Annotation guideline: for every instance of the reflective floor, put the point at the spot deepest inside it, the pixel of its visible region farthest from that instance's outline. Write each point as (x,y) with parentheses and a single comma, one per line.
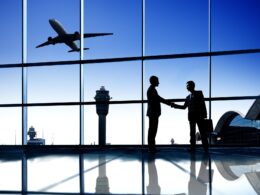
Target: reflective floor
(131,171)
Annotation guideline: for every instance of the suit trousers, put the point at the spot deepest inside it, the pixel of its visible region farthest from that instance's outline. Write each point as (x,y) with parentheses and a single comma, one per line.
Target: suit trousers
(152,131)
(203,133)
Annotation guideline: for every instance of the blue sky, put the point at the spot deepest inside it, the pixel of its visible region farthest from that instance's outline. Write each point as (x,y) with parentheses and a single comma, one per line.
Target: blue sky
(171,27)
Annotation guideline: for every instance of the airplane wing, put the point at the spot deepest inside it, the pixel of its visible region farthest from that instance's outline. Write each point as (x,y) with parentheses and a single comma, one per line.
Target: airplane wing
(76,36)
(88,35)
(73,46)
(44,44)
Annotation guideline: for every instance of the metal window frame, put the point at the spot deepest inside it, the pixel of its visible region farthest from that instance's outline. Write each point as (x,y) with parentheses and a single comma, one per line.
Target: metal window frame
(81,103)
(81,62)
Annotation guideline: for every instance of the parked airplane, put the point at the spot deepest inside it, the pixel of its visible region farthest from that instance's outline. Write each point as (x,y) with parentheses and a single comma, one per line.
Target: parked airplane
(68,39)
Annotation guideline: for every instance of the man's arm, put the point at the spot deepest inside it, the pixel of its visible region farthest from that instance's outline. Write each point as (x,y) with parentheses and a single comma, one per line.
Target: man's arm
(164,101)
(184,106)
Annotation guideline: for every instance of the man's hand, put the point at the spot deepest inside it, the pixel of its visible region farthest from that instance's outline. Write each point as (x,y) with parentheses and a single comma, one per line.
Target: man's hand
(168,103)
(173,104)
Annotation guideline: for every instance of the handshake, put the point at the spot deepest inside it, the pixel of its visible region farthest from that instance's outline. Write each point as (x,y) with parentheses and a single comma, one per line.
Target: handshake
(172,104)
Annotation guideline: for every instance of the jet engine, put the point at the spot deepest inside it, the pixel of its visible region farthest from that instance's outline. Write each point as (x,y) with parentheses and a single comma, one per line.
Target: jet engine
(76,35)
(50,40)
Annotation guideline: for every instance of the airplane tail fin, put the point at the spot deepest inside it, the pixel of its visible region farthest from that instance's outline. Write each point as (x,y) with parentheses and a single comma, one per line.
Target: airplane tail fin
(74,50)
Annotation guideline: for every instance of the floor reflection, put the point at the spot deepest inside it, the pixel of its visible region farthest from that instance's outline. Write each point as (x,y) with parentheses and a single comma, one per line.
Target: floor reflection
(153,186)
(132,171)
(198,184)
(102,185)
(243,167)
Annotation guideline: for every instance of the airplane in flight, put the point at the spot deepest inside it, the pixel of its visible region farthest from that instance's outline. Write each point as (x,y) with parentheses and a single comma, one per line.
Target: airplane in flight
(68,39)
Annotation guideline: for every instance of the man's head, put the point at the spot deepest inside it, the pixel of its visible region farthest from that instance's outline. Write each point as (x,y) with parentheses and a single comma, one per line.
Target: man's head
(154,81)
(190,85)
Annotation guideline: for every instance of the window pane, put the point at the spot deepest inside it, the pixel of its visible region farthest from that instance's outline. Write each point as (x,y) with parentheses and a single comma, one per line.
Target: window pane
(173,75)
(235,24)
(10,85)
(57,125)
(236,75)
(11,31)
(122,80)
(40,29)
(123,19)
(176,26)
(90,125)
(53,84)
(10,126)
(123,125)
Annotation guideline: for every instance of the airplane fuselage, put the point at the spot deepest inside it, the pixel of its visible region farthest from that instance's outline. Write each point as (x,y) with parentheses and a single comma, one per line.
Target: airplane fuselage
(57,27)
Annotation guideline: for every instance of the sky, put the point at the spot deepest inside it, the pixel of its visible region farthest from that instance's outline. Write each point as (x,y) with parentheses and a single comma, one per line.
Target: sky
(170,27)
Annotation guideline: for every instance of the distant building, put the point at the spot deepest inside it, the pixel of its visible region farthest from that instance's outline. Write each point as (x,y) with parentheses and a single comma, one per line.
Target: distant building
(34,141)
(232,128)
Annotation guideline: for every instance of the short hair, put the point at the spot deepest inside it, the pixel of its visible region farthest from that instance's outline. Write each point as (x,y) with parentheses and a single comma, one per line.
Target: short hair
(153,79)
(191,84)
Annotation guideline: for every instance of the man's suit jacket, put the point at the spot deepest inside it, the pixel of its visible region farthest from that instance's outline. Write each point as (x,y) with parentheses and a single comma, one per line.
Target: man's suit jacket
(196,106)
(154,102)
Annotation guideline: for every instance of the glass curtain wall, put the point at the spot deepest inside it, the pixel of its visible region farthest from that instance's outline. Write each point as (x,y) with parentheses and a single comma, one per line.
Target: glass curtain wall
(52,86)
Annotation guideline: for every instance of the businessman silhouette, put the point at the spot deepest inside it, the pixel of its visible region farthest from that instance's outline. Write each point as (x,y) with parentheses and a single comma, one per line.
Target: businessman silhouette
(196,114)
(153,111)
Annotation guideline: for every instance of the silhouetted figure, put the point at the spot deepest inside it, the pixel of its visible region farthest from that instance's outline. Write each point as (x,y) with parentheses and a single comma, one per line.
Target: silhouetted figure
(198,184)
(196,114)
(153,111)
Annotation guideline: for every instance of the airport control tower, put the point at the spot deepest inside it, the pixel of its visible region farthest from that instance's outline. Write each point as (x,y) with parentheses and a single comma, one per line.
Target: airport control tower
(34,141)
(102,98)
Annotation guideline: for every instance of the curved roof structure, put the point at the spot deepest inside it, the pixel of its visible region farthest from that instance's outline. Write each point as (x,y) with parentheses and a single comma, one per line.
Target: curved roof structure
(225,120)
(254,112)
